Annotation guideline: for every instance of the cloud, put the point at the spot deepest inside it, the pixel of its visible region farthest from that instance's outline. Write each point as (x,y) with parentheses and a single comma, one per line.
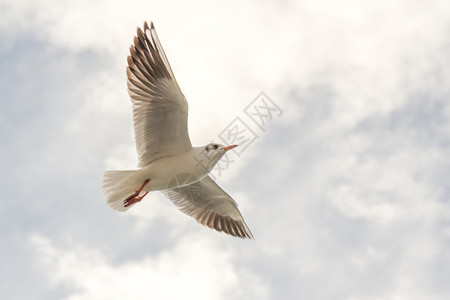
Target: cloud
(192,270)
(346,193)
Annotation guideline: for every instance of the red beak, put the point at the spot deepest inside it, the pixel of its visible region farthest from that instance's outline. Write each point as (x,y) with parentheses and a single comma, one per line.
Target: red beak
(229,147)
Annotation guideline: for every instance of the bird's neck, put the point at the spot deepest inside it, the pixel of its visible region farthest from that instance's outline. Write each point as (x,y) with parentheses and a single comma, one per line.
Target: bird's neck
(204,159)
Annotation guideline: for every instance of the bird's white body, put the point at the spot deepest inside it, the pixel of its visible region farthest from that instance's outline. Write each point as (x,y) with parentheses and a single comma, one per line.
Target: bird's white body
(165,173)
(196,163)
(165,169)
(162,171)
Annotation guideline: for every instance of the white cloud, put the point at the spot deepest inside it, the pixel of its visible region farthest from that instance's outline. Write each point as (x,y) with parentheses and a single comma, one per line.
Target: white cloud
(347,190)
(197,268)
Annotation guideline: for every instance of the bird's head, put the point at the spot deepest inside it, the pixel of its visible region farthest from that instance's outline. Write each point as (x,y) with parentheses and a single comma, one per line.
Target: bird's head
(212,153)
(217,149)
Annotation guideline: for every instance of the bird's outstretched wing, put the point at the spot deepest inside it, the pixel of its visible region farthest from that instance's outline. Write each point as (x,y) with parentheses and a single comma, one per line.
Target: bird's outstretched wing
(211,206)
(160,109)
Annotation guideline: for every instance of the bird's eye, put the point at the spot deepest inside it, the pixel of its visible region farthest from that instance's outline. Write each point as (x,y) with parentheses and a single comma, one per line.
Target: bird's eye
(206,148)
(216,146)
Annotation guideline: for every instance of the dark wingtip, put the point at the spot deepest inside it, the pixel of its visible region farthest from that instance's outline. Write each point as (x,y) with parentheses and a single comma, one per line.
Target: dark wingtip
(248,233)
(136,42)
(129,74)
(133,51)
(129,60)
(138,31)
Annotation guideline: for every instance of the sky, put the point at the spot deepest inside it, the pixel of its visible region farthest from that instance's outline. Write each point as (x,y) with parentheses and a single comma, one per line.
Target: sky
(345,185)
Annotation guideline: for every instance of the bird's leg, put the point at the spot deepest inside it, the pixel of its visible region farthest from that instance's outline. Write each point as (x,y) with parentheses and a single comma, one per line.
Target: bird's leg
(134,198)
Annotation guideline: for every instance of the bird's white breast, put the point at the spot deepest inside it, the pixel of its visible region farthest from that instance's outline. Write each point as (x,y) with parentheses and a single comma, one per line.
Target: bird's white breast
(172,171)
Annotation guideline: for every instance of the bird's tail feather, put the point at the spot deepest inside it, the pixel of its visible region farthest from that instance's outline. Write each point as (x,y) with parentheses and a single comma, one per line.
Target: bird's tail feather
(116,188)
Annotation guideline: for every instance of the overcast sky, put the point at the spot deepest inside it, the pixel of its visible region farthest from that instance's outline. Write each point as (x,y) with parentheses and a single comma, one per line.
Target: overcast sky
(345,188)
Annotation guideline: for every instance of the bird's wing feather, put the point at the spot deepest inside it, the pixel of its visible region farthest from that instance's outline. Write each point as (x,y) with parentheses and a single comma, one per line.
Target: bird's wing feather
(211,206)
(160,109)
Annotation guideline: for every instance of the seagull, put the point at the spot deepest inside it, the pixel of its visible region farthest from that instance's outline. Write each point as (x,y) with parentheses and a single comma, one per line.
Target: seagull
(167,162)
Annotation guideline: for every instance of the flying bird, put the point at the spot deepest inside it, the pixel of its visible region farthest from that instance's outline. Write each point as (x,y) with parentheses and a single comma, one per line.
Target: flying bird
(167,160)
